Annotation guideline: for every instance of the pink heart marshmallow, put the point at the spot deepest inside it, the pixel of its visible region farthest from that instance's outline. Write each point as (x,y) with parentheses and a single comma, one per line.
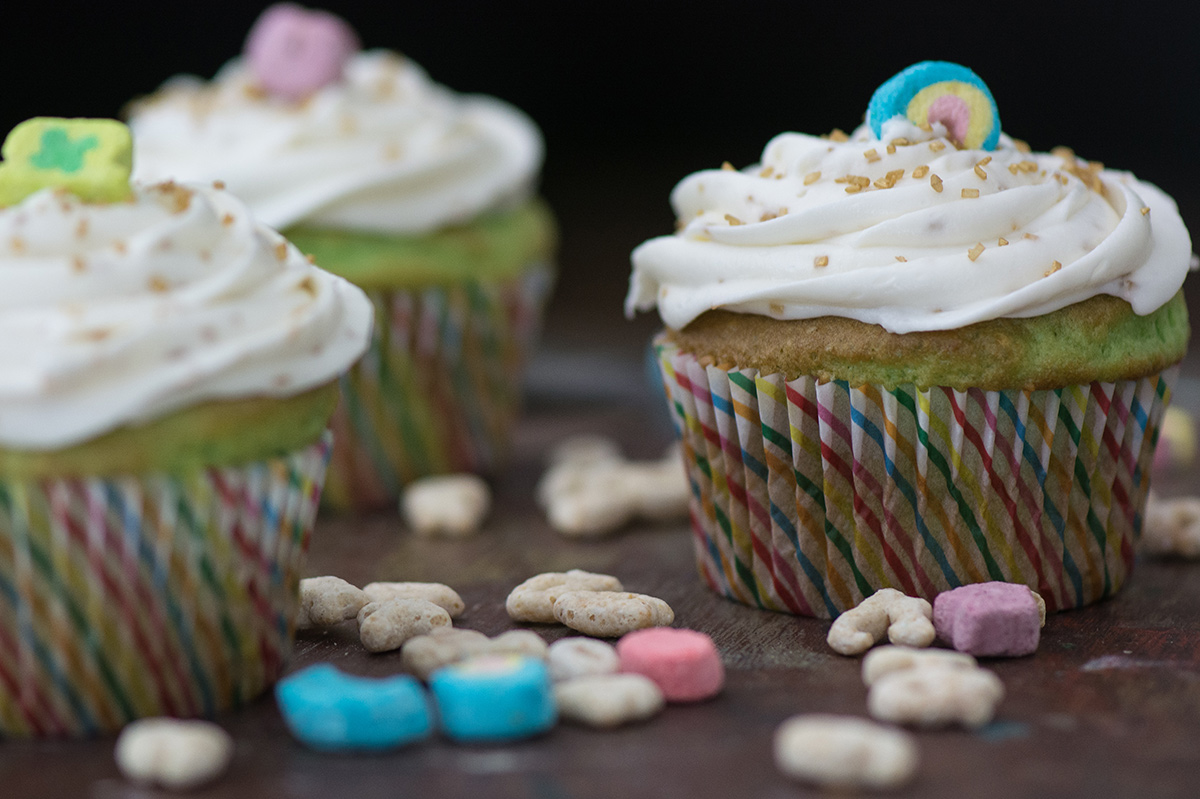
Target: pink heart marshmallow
(293,51)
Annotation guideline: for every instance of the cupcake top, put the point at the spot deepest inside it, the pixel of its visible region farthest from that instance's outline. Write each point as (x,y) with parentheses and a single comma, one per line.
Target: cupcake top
(369,144)
(115,313)
(911,229)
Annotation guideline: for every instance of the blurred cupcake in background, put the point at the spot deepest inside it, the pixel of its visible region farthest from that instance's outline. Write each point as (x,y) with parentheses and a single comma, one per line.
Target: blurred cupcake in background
(423,197)
(168,369)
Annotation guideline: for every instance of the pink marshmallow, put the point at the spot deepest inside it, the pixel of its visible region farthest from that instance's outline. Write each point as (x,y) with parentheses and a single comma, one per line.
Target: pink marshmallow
(684,664)
(292,51)
(989,619)
(953,112)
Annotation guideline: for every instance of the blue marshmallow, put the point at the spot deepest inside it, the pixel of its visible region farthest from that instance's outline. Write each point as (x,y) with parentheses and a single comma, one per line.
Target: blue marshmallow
(494,698)
(328,709)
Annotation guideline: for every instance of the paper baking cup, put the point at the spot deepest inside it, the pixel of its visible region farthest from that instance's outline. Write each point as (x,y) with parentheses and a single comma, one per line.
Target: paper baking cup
(439,389)
(127,597)
(809,496)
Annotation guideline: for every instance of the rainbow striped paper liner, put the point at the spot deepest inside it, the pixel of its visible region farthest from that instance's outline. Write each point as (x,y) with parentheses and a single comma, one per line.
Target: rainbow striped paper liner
(127,597)
(809,496)
(439,389)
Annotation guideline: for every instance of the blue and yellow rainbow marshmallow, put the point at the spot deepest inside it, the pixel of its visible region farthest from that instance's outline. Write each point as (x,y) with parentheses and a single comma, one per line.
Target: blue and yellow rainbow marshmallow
(939,91)
(91,158)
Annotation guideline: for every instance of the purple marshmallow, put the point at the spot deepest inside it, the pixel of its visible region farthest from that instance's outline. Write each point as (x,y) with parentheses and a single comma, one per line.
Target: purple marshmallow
(293,52)
(989,619)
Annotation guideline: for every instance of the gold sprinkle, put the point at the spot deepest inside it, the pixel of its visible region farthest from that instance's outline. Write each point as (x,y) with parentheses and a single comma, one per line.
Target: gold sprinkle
(1021,145)
(871,155)
(733,220)
(901,259)
(1145,210)
(180,198)
(925,126)
(1065,153)
(205,255)
(811,178)
(119,246)
(766,172)
(219,185)
(980,173)
(766,217)
(306,285)
(281,251)
(821,260)
(837,134)
(81,229)
(1013,168)
(1054,267)
(728,167)
(348,125)
(779,176)
(970,194)
(782,211)
(312,259)
(936,182)
(986,160)
(889,180)
(937,146)
(975,251)
(157,284)
(17,244)
(391,152)
(891,149)
(1027,166)
(920,171)
(1001,242)
(96,334)
(78,264)
(855,189)
(227,220)
(1031,237)
(900,141)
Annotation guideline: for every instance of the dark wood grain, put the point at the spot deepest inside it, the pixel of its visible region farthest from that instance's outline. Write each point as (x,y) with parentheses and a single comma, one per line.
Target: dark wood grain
(1109,706)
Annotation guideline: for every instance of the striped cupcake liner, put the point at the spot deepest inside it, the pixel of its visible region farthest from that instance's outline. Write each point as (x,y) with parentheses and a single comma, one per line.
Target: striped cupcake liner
(133,596)
(439,389)
(809,496)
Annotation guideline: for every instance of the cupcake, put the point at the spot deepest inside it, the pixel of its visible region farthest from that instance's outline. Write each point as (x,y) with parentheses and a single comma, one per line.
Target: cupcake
(916,356)
(168,368)
(422,197)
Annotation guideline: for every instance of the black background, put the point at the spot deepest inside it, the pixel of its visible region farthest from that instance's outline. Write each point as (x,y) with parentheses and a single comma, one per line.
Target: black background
(633,96)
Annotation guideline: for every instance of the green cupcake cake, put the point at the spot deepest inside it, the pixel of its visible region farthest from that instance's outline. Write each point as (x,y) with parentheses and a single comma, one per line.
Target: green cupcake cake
(168,369)
(917,356)
(422,197)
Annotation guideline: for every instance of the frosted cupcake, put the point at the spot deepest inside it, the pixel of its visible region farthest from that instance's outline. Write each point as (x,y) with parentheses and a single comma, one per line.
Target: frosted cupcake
(168,368)
(917,356)
(423,197)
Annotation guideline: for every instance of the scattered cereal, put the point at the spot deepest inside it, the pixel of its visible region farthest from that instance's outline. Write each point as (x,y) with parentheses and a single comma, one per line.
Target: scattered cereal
(844,752)
(325,601)
(446,504)
(172,753)
(905,620)
(385,626)
(610,614)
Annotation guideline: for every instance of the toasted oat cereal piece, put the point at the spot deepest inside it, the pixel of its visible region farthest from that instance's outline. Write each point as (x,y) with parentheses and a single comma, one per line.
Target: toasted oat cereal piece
(936,697)
(446,504)
(443,596)
(325,601)
(608,700)
(844,752)
(906,621)
(384,626)
(533,600)
(577,656)
(611,614)
(887,659)
(1172,526)
(173,753)
(444,646)
(590,489)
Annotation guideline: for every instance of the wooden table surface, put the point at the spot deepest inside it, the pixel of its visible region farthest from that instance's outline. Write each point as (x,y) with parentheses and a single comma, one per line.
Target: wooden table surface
(1108,706)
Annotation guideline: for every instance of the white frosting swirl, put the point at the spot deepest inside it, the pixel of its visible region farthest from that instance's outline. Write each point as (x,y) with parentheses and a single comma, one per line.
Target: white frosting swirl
(112,314)
(384,150)
(785,238)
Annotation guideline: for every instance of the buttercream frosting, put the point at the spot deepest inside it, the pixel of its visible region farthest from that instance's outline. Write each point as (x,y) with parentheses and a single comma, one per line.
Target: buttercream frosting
(114,314)
(910,233)
(383,150)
